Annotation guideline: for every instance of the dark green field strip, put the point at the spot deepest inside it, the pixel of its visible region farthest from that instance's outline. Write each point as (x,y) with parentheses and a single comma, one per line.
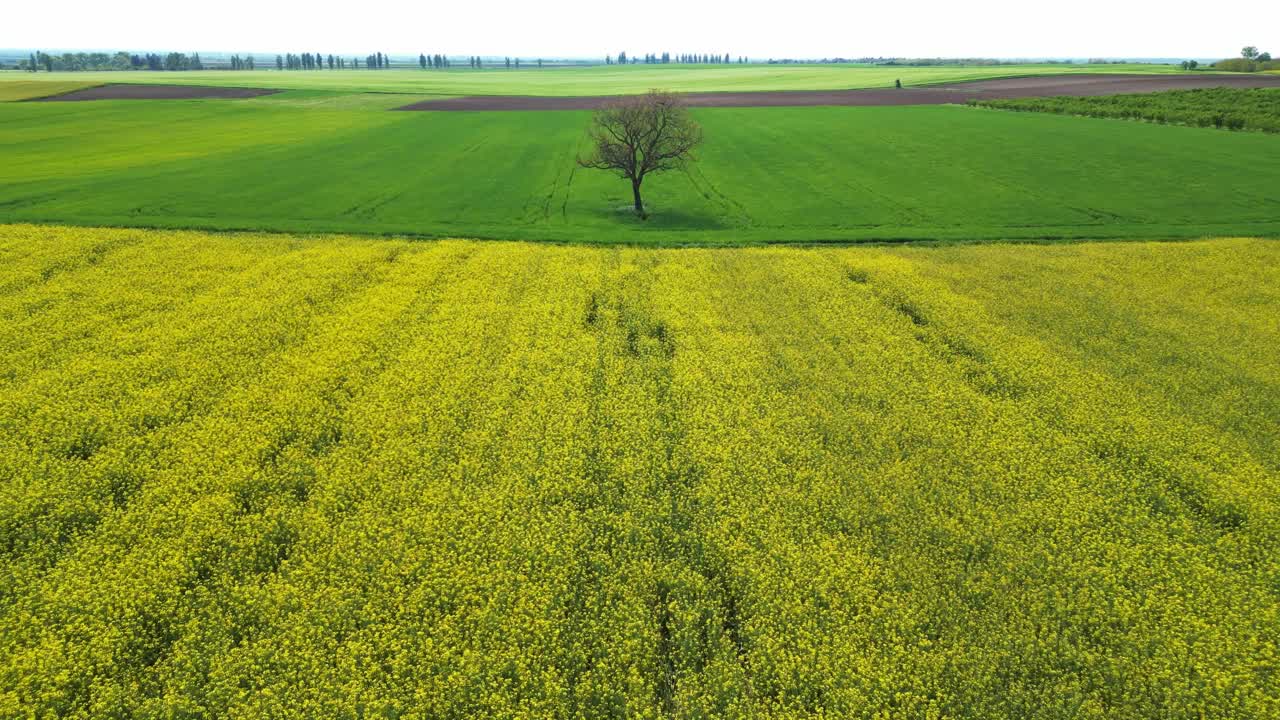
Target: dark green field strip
(764,175)
(1229,108)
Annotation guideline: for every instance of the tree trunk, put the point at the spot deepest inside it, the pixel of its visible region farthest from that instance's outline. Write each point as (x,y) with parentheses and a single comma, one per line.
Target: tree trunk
(635,192)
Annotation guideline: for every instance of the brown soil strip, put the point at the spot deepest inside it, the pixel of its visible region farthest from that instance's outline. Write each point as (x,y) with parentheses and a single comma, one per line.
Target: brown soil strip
(998,89)
(157,92)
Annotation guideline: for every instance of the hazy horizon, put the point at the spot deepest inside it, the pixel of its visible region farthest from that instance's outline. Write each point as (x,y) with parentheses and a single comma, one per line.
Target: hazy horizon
(575,29)
(551,58)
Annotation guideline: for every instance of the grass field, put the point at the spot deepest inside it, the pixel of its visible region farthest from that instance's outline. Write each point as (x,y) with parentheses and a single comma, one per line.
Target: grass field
(598,80)
(20,87)
(313,161)
(275,476)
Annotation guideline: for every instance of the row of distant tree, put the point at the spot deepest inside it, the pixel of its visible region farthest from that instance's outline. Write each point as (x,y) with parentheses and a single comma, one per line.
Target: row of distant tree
(666,58)
(937,62)
(1250,60)
(308,61)
(110,61)
(376,61)
(381,61)
(41,61)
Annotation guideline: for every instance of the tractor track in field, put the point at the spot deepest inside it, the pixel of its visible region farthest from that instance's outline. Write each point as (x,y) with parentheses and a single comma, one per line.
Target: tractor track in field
(995,89)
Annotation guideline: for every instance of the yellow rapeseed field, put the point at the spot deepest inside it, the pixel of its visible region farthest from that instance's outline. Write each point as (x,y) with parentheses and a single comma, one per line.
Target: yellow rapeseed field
(264,476)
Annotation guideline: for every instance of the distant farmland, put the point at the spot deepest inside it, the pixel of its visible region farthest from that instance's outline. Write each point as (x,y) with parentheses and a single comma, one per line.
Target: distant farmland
(599,80)
(268,475)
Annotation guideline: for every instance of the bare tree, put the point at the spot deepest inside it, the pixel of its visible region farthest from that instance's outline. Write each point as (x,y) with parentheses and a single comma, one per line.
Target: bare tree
(641,134)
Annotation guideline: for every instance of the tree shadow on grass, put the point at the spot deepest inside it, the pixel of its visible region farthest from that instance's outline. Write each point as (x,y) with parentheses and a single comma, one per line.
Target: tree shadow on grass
(660,218)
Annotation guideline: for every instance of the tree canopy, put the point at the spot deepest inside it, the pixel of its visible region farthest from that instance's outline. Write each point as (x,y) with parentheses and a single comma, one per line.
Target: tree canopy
(642,134)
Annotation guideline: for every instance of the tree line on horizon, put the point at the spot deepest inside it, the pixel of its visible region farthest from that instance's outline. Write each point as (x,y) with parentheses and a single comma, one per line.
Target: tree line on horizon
(1251,60)
(309,61)
(667,58)
(81,61)
(70,62)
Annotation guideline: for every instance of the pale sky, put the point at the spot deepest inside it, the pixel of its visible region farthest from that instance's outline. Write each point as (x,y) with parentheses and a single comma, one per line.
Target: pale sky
(592,28)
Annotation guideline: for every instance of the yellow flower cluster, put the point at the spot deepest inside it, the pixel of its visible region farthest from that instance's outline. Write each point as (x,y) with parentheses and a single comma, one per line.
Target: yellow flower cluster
(263,476)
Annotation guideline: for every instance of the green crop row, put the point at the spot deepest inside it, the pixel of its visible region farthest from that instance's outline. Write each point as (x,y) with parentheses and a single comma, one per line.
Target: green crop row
(1228,108)
(270,476)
